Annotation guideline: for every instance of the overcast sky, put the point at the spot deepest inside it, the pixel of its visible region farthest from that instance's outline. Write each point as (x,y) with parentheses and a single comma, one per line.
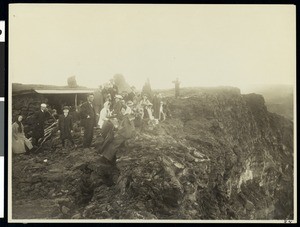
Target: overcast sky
(202,45)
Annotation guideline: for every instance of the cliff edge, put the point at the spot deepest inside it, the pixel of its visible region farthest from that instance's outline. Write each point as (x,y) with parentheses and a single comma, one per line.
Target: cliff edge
(222,155)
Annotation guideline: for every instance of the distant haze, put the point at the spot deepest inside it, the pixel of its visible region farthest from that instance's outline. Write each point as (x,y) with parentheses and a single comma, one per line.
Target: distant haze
(202,45)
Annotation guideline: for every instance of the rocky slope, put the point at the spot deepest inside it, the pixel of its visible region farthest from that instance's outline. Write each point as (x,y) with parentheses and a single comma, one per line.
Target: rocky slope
(222,155)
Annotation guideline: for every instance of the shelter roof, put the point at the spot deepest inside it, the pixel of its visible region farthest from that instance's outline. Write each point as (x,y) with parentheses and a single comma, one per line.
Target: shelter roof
(21,89)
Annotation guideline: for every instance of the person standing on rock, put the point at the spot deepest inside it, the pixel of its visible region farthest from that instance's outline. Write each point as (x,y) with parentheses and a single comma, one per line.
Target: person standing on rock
(39,123)
(88,120)
(177,83)
(157,99)
(65,127)
(162,115)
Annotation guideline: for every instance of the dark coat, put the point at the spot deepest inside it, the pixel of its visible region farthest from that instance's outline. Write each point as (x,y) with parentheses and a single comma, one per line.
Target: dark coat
(65,125)
(156,106)
(130,97)
(117,109)
(39,123)
(125,132)
(85,111)
(126,128)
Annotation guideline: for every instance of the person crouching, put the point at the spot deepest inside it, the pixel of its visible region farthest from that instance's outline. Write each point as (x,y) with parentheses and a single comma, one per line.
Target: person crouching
(125,132)
(65,127)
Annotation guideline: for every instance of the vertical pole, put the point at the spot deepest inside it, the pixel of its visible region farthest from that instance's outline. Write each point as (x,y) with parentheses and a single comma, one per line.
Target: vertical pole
(76,103)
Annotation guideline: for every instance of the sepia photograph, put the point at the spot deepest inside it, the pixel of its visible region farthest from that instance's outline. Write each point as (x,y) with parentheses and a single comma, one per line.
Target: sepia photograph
(152,113)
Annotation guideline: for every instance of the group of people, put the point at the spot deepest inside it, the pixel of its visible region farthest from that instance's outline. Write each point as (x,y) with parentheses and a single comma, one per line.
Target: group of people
(115,115)
(117,118)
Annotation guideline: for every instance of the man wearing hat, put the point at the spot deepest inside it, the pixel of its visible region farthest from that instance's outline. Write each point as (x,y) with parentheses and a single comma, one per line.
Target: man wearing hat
(177,83)
(65,126)
(39,123)
(88,120)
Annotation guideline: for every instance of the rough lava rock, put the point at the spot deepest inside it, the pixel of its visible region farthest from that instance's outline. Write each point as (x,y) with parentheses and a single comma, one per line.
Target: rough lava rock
(222,155)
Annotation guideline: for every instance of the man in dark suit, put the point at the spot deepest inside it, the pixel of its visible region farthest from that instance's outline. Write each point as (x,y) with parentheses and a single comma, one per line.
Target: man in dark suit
(177,83)
(65,126)
(88,120)
(39,123)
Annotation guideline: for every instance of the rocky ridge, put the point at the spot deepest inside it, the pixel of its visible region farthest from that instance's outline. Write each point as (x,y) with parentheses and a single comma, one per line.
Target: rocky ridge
(222,155)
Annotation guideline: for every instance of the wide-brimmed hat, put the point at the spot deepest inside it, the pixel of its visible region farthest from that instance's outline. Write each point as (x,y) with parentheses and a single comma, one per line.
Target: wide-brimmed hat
(118,97)
(129,103)
(66,108)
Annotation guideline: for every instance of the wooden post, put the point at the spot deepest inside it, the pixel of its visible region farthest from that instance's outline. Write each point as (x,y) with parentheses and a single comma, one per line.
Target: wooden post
(76,103)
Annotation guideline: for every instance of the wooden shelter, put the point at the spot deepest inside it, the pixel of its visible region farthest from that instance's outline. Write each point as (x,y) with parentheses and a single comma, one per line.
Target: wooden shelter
(55,96)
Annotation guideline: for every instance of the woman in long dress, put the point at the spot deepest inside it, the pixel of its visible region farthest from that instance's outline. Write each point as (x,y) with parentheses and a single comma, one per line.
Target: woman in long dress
(106,126)
(146,105)
(104,114)
(18,136)
(162,115)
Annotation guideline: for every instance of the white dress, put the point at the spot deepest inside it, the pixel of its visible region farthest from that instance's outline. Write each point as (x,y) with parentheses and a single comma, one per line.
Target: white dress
(104,114)
(18,139)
